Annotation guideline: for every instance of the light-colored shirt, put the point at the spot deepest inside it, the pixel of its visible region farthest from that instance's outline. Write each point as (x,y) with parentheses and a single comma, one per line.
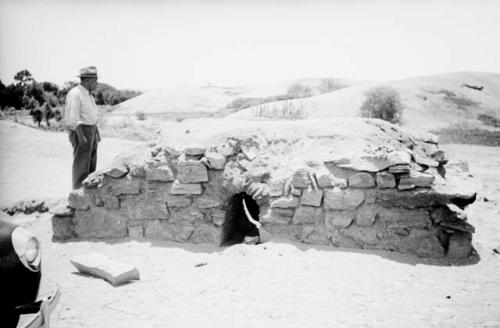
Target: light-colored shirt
(80,108)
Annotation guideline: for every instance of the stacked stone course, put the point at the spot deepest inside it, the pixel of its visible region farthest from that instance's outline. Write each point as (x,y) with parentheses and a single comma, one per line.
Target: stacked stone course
(396,202)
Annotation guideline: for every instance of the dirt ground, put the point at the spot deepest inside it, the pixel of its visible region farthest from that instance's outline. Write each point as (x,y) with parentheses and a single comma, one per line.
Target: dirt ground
(269,285)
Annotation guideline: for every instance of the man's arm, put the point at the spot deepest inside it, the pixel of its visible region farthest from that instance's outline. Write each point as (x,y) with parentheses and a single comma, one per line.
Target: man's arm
(72,116)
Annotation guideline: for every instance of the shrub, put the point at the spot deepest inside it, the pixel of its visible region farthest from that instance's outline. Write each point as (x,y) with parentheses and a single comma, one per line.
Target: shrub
(298,90)
(140,115)
(329,85)
(245,102)
(383,103)
(285,110)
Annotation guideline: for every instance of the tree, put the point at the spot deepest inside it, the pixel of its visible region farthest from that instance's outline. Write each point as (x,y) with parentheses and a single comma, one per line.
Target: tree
(383,103)
(34,90)
(24,76)
(329,85)
(50,87)
(13,96)
(298,90)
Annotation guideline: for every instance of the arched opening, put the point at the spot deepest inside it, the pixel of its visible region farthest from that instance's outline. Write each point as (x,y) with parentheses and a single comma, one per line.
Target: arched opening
(236,225)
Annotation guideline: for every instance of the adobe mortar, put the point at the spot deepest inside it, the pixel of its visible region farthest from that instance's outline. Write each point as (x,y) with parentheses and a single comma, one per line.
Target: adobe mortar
(355,183)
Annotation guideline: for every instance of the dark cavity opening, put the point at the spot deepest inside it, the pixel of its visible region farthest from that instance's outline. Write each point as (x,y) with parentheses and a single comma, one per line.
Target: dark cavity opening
(236,225)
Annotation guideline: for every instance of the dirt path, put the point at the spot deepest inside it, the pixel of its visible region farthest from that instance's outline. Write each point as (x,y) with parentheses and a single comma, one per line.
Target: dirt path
(36,164)
(272,285)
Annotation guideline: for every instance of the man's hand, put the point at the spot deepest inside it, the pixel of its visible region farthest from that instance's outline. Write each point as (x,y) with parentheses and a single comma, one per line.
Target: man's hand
(81,136)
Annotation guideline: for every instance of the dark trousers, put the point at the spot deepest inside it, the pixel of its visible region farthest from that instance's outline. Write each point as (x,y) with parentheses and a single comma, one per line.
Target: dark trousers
(84,154)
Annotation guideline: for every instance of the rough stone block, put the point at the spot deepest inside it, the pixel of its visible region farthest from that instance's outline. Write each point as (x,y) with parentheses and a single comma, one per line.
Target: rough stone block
(63,227)
(154,203)
(100,265)
(312,197)
(346,199)
(135,231)
(110,202)
(62,209)
(144,207)
(300,179)
(457,225)
(123,186)
(375,162)
(307,214)
(275,188)
(234,178)
(416,179)
(206,234)
(405,186)
(285,202)
(99,223)
(423,197)
(283,211)
(424,160)
(96,196)
(160,173)
(459,245)
(176,201)
(366,215)
(327,180)
(430,247)
(118,170)
(362,235)
(339,219)
(311,234)
(423,242)
(337,239)
(195,150)
(93,180)
(191,171)
(168,231)
(216,216)
(276,216)
(137,170)
(370,196)
(188,214)
(361,180)
(283,232)
(79,200)
(179,188)
(215,161)
(400,169)
(404,218)
(385,180)
(208,201)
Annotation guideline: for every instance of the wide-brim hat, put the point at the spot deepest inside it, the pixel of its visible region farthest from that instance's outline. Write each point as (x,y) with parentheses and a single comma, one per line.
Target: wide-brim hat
(89,71)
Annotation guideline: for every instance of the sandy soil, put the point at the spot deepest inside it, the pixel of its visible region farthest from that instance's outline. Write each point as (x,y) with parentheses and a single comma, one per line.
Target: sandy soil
(269,285)
(36,164)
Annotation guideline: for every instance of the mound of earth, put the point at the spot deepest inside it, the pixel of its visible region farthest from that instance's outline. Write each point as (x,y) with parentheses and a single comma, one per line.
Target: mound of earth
(357,183)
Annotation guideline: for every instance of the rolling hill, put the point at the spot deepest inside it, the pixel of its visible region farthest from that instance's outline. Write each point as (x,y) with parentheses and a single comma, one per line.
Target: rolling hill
(430,102)
(209,99)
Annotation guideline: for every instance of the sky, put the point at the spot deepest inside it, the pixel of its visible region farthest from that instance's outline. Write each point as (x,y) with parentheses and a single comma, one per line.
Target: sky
(155,44)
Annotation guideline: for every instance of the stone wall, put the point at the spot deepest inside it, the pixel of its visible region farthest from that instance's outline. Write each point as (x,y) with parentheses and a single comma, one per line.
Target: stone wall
(393,199)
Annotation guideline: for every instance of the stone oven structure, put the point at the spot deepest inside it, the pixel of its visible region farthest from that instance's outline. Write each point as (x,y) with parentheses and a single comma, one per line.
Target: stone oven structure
(356,183)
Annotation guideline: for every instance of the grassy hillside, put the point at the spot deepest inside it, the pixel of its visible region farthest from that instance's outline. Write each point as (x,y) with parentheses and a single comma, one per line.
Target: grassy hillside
(200,101)
(430,102)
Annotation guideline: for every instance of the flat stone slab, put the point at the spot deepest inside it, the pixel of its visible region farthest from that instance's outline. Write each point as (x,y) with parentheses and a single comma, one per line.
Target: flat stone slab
(101,266)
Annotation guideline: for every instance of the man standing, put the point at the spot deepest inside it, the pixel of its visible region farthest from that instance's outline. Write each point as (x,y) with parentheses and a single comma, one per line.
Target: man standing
(81,120)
